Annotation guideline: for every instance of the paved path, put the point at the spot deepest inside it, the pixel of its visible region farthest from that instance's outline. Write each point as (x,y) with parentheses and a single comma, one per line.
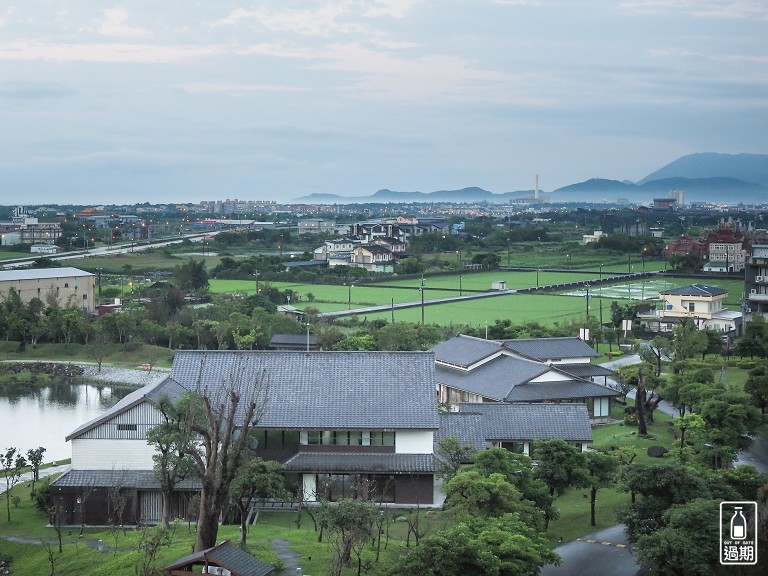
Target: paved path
(43,473)
(286,555)
(604,553)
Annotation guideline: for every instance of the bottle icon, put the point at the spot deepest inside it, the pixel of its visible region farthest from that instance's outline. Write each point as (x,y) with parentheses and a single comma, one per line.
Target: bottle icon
(738,525)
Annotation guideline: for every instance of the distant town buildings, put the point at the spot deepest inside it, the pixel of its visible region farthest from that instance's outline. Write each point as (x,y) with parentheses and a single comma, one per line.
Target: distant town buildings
(25,229)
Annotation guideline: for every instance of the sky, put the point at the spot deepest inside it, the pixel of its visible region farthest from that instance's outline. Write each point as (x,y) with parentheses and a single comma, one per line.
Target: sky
(183,100)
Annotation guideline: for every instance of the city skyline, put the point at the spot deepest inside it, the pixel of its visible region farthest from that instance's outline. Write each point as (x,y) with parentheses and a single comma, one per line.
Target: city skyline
(172,102)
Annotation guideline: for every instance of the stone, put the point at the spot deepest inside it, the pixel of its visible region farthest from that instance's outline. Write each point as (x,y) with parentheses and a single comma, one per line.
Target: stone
(656,451)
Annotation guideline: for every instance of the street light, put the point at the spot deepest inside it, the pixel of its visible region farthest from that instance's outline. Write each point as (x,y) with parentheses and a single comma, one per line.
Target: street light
(349,296)
(537,277)
(601,271)
(568,261)
(460,292)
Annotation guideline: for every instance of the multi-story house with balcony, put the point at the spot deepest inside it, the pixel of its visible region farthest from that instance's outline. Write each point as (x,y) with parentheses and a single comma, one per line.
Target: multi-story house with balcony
(700,303)
(756,280)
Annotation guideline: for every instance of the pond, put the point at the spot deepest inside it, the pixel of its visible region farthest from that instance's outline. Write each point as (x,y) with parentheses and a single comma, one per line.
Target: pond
(45,416)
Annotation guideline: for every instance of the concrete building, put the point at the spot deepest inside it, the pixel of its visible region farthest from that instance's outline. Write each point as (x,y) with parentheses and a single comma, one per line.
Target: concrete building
(70,287)
(756,280)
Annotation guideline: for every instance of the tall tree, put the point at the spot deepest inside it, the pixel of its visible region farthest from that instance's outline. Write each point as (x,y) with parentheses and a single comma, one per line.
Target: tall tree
(453,455)
(172,464)
(603,469)
(35,460)
(757,386)
(687,340)
(12,463)
(561,466)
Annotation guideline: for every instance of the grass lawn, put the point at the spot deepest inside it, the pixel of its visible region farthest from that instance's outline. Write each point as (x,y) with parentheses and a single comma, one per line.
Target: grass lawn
(78,558)
(132,356)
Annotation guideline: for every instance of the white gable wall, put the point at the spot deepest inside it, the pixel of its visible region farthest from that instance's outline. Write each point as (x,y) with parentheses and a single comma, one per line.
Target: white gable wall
(117,454)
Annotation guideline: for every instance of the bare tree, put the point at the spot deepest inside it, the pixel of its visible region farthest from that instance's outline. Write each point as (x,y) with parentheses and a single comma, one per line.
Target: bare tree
(83,494)
(223,420)
(53,558)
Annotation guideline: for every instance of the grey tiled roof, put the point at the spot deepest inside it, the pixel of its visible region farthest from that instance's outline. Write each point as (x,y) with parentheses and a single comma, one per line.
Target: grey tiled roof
(139,479)
(467,428)
(508,422)
(292,340)
(696,290)
(225,555)
(152,392)
(544,349)
(465,350)
(323,390)
(586,370)
(558,390)
(341,463)
(494,379)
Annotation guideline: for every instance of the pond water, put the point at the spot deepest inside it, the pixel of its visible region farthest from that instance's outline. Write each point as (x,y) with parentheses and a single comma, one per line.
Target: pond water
(45,416)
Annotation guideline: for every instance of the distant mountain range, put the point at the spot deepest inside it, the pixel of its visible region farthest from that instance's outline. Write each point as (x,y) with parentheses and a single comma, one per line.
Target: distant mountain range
(705,177)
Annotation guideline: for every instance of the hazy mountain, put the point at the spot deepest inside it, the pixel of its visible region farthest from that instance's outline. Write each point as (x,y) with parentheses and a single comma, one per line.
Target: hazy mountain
(746,167)
(705,177)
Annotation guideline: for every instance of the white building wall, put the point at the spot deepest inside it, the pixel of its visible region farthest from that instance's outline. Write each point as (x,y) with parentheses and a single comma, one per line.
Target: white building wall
(96,454)
(552,376)
(414,441)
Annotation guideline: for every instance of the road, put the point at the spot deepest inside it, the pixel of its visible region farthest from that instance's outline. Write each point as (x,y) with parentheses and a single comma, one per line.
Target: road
(604,553)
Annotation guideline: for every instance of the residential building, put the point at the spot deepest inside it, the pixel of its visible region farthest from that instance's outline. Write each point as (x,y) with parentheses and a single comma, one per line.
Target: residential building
(756,280)
(397,247)
(224,559)
(554,370)
(701,303)
(338,421)
(594,237)
(373,258)
(684,246)
(69,287)
(336,252)
(725,251)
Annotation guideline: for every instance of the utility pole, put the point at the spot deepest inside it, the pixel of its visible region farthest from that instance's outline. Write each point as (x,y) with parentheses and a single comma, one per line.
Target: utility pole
(421,289)
(587,316)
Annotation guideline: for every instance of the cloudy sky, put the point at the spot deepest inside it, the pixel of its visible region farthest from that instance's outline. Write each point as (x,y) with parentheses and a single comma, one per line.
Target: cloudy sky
(183,100)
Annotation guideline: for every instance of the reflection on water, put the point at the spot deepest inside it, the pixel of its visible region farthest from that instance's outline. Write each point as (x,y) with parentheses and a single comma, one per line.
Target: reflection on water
(44,416)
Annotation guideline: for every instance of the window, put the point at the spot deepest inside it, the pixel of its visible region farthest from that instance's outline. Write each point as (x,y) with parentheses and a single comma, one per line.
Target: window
(691,306)
(85,296)
(66,284)
(382,438)
(127,427)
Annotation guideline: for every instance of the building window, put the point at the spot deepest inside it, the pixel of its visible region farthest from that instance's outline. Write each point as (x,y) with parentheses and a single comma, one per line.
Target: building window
(382,438)
(691,306)
(127,427)
(66,284)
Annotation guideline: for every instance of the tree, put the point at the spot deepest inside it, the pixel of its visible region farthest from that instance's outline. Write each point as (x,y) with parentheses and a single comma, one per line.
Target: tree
(755,339)
(469,493)
(659,485)
(658,349)
(223,419)
(256,479)
(35,459)
(172,464)
(453,454)
(687,340)
(561,465)
(603,470)
(687,544)
(757,386)
(12,463)
(191,277)
(349,524)
(685,423)
(503,546)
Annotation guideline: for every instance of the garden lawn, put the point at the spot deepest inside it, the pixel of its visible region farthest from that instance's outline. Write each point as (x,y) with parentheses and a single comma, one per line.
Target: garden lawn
(133,355)
(78,558)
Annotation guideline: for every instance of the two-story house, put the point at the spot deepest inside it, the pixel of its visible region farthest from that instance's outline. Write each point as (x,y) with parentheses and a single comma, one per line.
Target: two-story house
(373,258)
(701,303)
(470,369)
(338,421)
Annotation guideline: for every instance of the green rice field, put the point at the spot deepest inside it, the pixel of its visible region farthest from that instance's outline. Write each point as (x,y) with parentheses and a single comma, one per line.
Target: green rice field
(547,308)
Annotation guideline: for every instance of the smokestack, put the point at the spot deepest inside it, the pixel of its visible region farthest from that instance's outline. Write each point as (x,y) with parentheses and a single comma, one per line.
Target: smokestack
(536,196)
